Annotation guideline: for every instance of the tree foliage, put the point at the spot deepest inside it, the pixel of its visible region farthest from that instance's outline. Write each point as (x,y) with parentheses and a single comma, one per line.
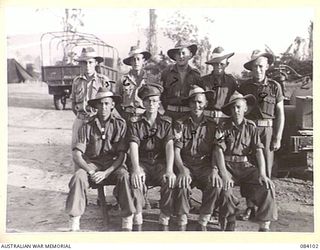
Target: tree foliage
(180,27)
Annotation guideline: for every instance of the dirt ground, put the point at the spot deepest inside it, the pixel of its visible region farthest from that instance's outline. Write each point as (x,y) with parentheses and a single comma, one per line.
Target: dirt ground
(40,166)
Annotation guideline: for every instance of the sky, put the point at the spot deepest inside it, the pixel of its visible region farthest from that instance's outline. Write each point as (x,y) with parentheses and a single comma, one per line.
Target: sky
(239,30)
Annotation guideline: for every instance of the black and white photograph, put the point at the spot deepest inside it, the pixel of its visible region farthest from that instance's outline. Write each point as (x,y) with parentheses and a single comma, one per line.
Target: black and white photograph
(159,119)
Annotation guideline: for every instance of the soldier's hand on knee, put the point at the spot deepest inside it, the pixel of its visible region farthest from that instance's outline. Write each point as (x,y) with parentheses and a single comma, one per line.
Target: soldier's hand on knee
(184,180)
(98,177)
(264,180)
(227,182)
(216,180)
(169,177)
(137,179)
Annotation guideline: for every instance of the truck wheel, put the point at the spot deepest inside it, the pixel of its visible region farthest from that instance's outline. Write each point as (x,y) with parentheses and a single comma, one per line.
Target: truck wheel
(57,99)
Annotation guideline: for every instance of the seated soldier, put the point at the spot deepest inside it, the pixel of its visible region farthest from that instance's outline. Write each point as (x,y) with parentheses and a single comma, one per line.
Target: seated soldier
(193,158)
(99,154)
(235,141)
(151,152)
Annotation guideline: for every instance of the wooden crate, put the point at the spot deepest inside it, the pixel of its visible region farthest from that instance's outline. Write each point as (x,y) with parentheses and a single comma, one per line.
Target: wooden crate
(302,160)
(301,143)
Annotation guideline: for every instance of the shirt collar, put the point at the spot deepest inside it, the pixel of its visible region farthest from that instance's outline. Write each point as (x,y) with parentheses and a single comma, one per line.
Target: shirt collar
(264,82)
(175,68)
(142,74)
(143,117)
(94,76)
(240,126)
(203,121)
(110,120)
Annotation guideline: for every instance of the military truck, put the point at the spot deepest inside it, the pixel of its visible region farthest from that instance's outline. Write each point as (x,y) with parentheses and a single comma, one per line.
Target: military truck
(58,66)
(296,154)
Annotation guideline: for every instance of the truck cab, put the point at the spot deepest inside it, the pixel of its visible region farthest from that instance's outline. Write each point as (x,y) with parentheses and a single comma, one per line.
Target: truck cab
(58,67)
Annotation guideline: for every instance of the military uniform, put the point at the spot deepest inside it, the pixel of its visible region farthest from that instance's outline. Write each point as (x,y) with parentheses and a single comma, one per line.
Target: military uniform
(82,91)
(237,144)
(223,87)
(268,94)
(152,157)
(129,86)
(196,144)
(100,147)
(175,90)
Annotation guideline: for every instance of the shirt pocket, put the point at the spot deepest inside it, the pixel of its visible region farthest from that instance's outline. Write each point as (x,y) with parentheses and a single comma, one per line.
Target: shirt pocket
(94,146)
(229,140)
(269,103)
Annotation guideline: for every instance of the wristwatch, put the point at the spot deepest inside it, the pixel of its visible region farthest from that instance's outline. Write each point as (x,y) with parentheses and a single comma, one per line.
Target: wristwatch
(91,172)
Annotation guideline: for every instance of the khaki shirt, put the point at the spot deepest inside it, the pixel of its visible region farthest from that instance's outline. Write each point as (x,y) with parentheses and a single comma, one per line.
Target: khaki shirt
(174,89)
(223,87)
(195,141)
(129,87)
(152,140)
(242,140)
(102,144)
(84,90)
(268,94)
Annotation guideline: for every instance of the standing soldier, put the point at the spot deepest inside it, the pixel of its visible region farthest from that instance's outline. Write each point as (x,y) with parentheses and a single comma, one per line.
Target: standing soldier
(85,87)
(132,81)
(268,114)
(99,153)
(221,83)
(194,159)
(178,78)
(235,141)
(151,152)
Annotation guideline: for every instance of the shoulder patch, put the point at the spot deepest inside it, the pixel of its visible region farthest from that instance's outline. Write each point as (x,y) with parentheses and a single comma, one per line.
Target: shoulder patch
(250,122)
(102,76)
(117,116)
(91,119)
(195,70)
(166,118)
(105,80)
(273,82)
(134,118)
(77,78)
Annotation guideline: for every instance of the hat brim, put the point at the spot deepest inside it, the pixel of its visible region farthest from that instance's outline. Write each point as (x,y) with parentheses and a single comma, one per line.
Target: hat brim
(146,56)
(270,57)
(219,59)
(92,103)
(193,48)
(99,59)
(209,95)
(251,101)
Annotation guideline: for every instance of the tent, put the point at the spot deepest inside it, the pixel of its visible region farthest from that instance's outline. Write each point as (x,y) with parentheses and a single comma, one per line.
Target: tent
(16,73)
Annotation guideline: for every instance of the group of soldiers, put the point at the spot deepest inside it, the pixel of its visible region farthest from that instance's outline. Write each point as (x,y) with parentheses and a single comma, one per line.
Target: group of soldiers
(182,132)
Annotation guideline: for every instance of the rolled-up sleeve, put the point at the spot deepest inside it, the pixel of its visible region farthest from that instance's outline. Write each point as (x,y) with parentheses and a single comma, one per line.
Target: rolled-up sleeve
(219,139)
(122,145)
(256,141)
(81,140)
(168,133)
(133,135)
